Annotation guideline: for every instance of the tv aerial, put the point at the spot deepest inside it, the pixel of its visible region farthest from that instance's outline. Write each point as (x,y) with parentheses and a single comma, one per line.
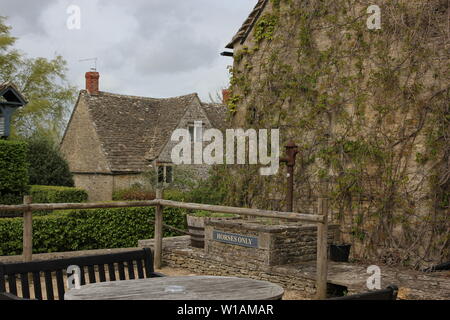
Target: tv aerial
(91,59)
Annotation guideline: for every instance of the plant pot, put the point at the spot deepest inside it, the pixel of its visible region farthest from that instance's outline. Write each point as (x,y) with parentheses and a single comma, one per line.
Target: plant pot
(196,226)
(340,253)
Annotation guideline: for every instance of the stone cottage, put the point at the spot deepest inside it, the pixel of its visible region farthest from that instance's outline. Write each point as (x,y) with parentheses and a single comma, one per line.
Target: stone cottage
(111,139)
(368,108)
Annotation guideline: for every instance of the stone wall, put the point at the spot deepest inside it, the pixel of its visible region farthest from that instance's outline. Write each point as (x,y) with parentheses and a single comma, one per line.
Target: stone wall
(314,70)
(198,263)
(81,146)
(99,187)
(277,244)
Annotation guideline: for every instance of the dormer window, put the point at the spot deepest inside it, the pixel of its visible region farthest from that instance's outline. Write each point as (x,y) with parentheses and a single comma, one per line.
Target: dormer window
(196,131)
(2,124)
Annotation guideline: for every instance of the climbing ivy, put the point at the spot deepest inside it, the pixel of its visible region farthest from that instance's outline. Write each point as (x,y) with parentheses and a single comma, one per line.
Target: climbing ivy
(370,111)
(265,27)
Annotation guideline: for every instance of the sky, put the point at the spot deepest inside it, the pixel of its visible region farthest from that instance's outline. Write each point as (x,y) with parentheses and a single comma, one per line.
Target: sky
(151,48)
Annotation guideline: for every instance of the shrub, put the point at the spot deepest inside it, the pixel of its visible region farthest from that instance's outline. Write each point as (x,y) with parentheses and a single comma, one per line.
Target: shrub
(86,230)
(47,165)
(48,194)
(134,193)
(13,173)
(13,168)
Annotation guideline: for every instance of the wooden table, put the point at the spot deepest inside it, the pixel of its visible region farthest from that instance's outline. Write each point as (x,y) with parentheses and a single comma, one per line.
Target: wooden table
(179,288)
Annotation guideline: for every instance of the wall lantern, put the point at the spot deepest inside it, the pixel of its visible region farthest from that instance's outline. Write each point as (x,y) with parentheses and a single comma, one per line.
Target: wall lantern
(10,100)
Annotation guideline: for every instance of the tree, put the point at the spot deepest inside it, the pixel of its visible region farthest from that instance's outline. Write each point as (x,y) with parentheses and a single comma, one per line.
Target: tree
(47,165)
(43,83)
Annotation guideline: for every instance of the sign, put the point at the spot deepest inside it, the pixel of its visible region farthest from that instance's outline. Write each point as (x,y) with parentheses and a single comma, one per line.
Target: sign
(236,239)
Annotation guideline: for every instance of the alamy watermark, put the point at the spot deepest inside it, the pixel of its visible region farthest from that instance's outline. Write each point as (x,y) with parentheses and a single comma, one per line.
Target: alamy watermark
(374,21)
(74,19)
(231,150)
(74,277)
(374,281)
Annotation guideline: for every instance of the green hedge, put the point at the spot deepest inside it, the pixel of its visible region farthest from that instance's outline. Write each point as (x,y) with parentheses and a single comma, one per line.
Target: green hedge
(46,194)
(86,230)
(13,171)
(134,194)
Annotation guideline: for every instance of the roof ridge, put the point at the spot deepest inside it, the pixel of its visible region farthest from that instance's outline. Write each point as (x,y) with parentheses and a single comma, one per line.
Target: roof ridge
(118,95)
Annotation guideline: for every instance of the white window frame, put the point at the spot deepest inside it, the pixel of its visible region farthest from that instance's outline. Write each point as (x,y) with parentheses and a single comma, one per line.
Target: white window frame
(196,129)
(2,124)
(165,175)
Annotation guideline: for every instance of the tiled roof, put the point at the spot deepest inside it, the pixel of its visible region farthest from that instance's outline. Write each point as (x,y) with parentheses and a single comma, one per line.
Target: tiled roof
(217,114)
(133,130)
(247,27)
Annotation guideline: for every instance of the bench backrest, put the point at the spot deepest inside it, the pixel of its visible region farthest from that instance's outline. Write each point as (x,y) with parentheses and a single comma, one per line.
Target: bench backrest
(390,293)
(142,259)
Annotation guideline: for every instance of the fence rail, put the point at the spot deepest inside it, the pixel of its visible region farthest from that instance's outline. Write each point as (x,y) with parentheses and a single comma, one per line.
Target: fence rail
(321,220)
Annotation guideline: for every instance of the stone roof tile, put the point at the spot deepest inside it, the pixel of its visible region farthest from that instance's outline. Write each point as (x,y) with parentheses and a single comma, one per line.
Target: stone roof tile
(248,25)
(133,130)
(129,126)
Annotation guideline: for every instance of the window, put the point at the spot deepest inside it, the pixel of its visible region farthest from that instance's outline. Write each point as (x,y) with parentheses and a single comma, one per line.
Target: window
(165,174)
(2,124)
(196,131)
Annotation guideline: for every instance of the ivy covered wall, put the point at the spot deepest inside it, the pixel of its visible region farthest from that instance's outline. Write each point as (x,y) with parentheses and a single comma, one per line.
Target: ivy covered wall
(370,112)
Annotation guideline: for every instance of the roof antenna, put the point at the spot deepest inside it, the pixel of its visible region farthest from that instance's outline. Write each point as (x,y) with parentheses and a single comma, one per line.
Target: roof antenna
(91,59)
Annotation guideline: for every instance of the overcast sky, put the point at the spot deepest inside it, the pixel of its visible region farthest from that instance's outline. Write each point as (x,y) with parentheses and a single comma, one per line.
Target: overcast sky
(153,48)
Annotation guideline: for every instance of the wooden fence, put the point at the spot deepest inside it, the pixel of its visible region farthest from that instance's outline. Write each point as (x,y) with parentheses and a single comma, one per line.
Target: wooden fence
(321,220)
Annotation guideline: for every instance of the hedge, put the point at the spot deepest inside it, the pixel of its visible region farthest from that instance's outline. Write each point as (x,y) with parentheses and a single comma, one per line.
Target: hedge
(46,194)
(86,230)
(13,171)
(47,164)
(133,194)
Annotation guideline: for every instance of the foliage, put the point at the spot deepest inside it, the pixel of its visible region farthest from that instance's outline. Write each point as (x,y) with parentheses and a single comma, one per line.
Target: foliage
(86,230)
(134,193)
(47,164)
(48,194)
(13,171)
(212,190)
(212,214)
(265,27)
(370,111)
(43,83)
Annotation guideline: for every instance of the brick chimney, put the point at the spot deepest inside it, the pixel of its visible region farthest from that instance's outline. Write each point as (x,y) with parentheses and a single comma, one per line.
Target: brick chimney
(92,82)
(226,93)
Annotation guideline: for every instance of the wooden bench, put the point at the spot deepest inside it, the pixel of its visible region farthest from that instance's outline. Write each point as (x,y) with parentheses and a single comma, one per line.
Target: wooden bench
(390,293)
(95,265)
(8,297)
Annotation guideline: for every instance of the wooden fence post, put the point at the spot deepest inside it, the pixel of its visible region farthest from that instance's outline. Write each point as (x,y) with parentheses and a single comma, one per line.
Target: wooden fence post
(27,231)
(158,230)
(322,251)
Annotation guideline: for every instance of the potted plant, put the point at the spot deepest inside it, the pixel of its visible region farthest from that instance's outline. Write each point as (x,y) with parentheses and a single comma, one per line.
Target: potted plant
(340,252)
(196,225)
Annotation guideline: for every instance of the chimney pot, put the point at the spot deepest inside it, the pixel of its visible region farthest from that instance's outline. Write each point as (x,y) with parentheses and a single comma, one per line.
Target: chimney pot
(92,82)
